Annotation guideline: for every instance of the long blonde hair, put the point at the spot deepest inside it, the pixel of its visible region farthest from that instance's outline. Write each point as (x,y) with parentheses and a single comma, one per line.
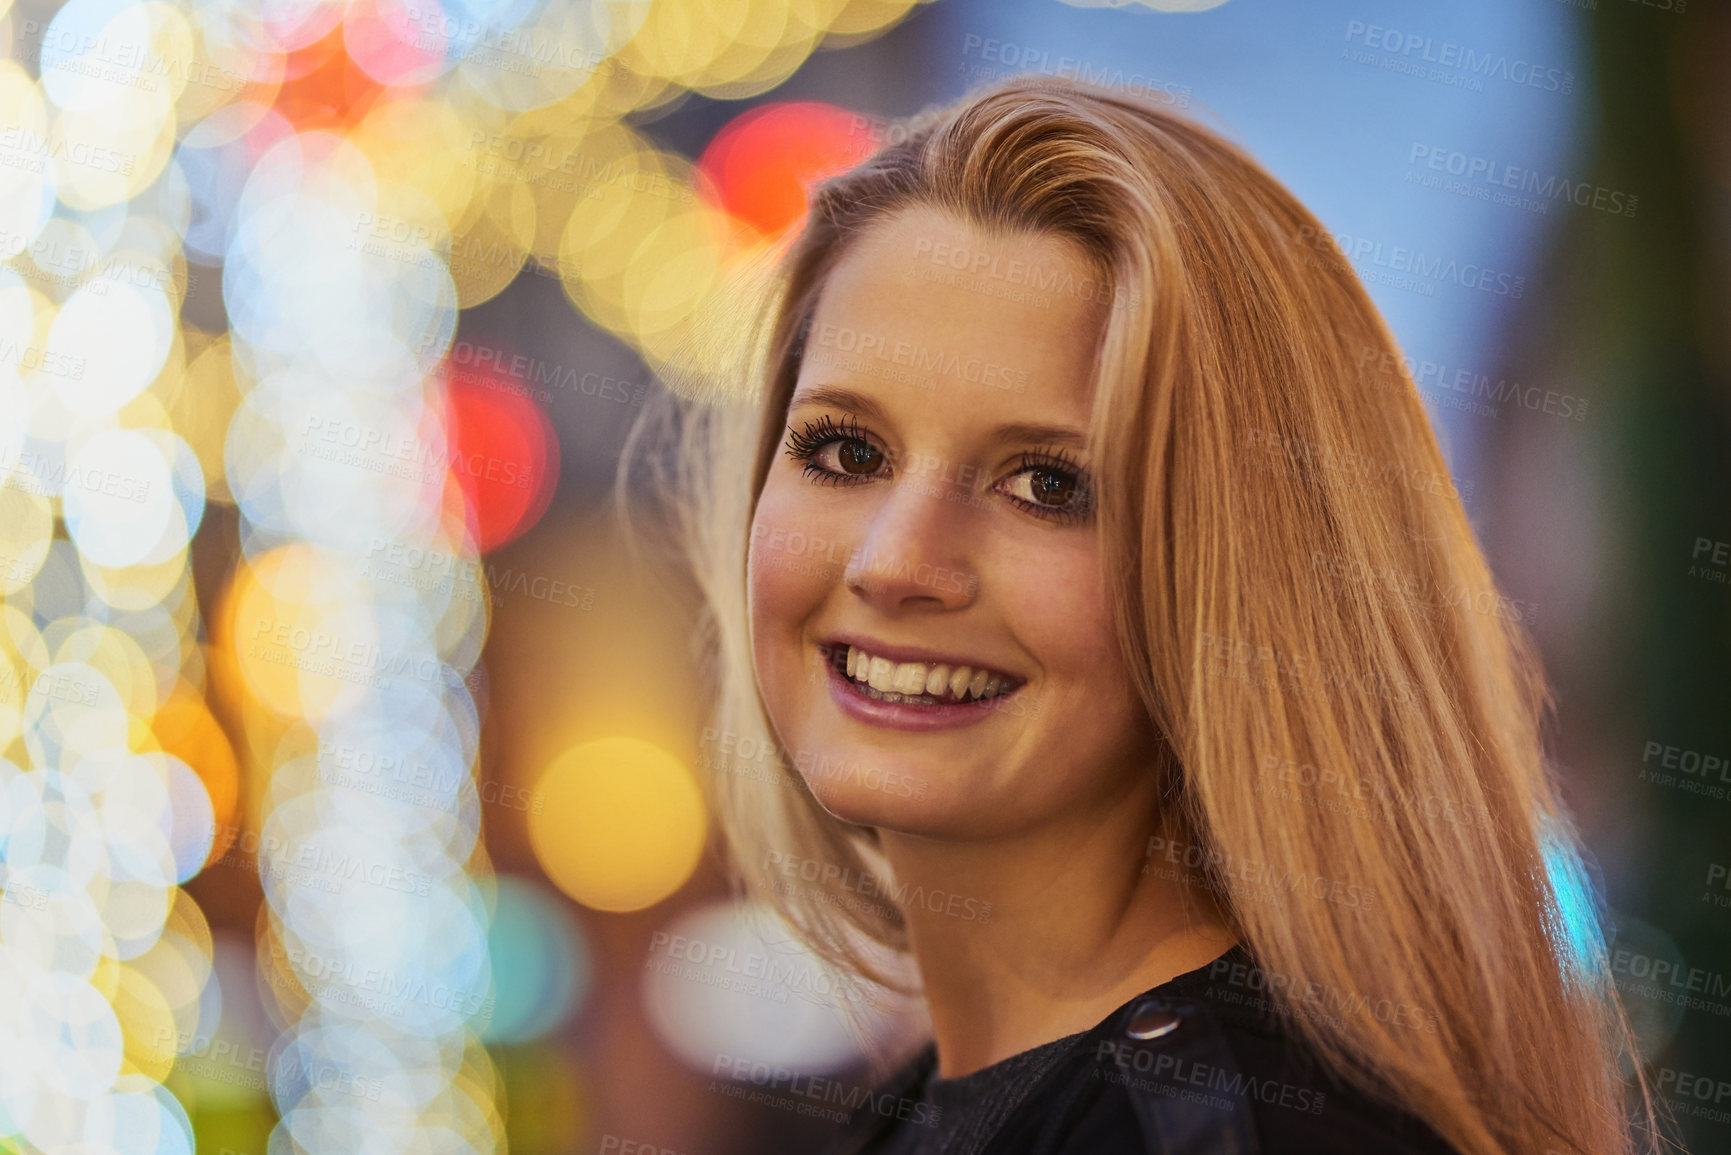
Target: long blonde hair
(1348,708)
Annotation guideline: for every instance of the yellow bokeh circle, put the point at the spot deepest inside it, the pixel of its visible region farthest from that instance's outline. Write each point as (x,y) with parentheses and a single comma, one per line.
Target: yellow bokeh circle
(619,823)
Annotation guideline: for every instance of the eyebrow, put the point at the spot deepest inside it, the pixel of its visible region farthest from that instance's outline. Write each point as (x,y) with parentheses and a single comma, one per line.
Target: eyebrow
(861,405)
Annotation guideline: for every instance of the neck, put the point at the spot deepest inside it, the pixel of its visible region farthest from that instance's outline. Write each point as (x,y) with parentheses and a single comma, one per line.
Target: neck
(1074,930)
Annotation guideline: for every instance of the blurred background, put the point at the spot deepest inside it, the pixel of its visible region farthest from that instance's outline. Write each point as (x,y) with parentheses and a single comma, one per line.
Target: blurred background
(350,769)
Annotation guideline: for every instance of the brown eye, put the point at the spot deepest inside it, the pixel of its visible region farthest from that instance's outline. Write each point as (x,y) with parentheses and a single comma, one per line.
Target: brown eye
(1052,487)
(837,453)
(858,457)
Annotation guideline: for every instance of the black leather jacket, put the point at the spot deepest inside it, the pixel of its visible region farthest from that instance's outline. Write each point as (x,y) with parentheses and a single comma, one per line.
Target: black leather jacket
(1195,1066)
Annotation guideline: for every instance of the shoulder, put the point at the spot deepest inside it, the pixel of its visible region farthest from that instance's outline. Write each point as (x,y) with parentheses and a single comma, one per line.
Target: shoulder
(1185,1069)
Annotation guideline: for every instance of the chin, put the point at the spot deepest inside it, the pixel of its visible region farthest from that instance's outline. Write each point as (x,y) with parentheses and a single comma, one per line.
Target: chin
(866,808)
(918,803)
(865,792)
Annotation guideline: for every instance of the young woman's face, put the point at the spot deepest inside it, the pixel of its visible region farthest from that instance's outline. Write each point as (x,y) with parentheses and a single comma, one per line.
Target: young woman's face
(927,524)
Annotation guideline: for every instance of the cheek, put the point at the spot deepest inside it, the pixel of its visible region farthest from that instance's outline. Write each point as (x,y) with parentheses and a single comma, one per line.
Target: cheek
(1061,613)
(791,569)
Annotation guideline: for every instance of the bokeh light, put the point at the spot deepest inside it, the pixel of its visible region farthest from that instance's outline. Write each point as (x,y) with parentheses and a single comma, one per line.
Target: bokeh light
(732,980)
(540,963)
(621,826)
(248,522)
(504,457)
(763,163)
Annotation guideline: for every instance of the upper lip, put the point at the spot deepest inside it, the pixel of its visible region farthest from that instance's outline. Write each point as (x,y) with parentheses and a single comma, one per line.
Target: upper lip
(912,654)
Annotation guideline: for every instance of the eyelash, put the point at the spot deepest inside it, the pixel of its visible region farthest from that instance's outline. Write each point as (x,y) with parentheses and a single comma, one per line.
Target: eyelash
(804,444)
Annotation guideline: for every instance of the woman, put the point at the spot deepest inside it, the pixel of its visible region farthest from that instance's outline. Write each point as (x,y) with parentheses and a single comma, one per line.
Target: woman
(1097,577)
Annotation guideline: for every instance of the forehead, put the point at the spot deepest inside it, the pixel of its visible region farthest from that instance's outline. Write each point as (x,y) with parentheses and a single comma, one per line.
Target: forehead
(930,310)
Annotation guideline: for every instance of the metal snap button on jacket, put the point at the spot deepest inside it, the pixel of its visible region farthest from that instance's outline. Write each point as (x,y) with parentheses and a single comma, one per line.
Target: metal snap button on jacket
(1152,1020)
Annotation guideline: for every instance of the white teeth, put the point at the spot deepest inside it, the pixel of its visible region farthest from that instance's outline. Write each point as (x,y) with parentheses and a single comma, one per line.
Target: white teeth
(901,681)
(910,678)
(882,675)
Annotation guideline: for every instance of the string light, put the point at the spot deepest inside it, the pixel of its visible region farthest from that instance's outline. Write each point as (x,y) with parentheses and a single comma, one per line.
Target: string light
(346,175)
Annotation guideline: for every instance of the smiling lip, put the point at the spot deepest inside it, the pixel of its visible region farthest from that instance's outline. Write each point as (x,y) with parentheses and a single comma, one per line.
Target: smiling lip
(853,700)
(900,715)
(902,653)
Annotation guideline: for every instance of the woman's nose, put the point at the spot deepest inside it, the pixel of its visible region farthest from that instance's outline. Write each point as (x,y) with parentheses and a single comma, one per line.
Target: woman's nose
(913,551)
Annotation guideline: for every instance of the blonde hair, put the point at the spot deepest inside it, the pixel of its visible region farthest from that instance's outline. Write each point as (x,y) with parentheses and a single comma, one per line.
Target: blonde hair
(1299,598)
